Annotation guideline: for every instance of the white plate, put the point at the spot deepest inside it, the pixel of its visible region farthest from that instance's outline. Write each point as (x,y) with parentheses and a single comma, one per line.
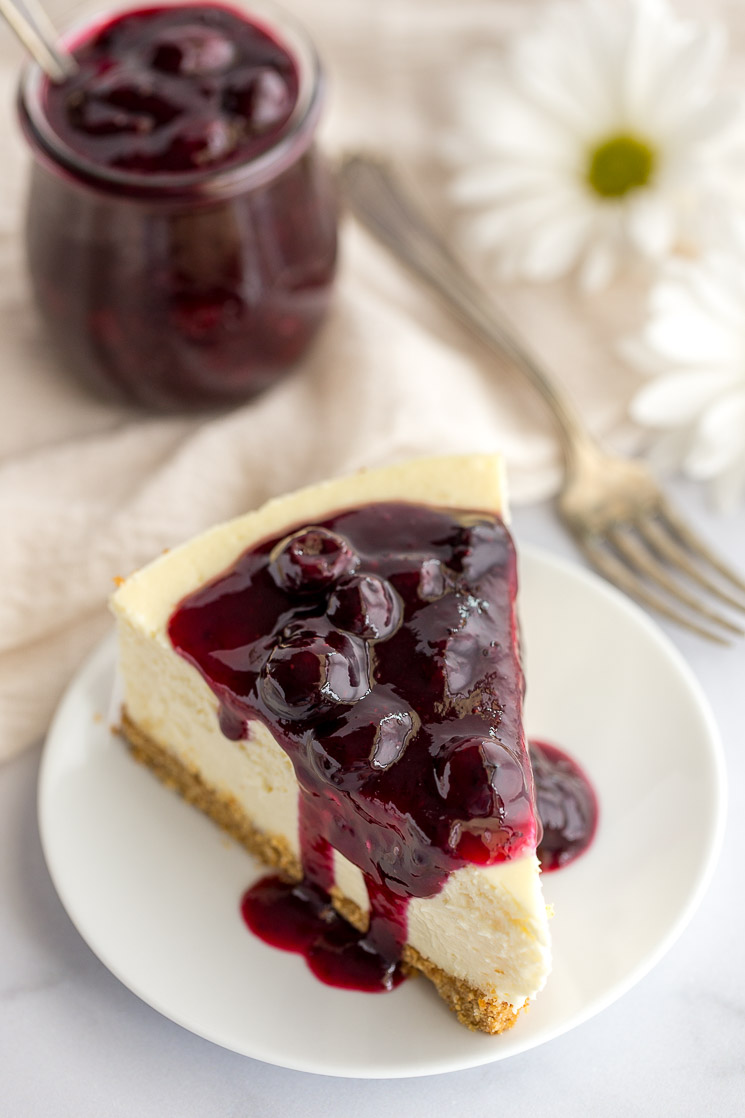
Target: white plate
(154,887)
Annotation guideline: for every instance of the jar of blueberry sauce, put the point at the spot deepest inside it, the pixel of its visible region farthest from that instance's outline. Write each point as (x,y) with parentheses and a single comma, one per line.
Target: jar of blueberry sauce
(181,225)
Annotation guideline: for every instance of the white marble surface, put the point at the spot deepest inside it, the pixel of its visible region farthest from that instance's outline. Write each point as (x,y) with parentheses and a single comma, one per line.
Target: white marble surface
(74,1041)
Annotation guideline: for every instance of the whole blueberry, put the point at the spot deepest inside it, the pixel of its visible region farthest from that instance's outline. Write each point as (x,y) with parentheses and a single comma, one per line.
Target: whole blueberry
(311,671)
(312,560)
(366,605)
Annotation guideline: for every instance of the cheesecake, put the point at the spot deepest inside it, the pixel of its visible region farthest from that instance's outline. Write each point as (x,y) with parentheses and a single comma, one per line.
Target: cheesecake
(335,680)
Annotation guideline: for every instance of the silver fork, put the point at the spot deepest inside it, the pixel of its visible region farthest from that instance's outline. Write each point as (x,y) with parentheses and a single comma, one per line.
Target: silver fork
(613,507)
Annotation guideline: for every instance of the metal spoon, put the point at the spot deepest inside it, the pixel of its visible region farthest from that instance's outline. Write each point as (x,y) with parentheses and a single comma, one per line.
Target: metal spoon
(35,30)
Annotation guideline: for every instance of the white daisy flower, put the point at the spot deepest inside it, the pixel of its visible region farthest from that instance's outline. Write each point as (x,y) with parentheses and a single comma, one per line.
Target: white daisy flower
(693,349)
(599,138)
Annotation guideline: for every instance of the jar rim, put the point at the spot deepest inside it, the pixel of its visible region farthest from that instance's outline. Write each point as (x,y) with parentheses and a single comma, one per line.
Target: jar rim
(290,143)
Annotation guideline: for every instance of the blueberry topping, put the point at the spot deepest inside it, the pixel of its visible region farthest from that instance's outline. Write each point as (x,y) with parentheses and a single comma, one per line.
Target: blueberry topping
(121,102)
(482,782)
(566,803)
(261,97)
(394,685)
(463,662)
(175,89)
(310,671)
(386,701)
(312,560)
(200,142)
(481,548)
(192,50)
(366,605)
(391,739)
(432,580)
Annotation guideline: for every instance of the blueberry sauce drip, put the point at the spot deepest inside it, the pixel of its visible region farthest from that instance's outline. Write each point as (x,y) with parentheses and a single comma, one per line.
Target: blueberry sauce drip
(174,89)
(566,803)
(381,649)
(300,918)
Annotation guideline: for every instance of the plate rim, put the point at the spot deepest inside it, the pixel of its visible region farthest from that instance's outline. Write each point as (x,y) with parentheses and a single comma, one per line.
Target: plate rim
(105,651)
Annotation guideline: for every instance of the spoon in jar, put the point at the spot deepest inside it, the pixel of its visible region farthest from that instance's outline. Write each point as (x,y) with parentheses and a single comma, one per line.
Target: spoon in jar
(35,30)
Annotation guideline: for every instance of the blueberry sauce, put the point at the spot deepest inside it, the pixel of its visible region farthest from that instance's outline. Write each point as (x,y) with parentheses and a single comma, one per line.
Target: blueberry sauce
(301,918)
(173,89)
(566,803)
(181,226)
(381,649)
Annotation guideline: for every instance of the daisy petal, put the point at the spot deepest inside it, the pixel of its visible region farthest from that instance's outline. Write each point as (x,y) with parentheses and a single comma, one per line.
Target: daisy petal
(555,248)
(675,398)
(640,356)
(490,183)
(719,442)
(719,288)
(604,250)
(703,125)
(650,224)
(598,267)
(692,337)
(696,331)
(687,71)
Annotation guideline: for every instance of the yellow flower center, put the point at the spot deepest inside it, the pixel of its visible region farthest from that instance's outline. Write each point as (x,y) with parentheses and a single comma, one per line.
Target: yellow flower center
(619,165)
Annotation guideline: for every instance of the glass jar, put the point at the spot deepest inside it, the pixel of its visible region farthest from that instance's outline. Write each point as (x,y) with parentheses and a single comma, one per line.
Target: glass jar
(185,289)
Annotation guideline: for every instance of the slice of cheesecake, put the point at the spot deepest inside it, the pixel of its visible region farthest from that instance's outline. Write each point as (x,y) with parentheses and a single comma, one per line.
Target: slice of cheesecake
(335,679)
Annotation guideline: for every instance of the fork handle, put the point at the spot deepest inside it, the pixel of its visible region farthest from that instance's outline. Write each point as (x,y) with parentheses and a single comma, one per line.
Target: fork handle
(377,199)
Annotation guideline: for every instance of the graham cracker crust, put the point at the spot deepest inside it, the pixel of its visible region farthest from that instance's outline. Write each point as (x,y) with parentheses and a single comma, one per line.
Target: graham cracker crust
(473,1008)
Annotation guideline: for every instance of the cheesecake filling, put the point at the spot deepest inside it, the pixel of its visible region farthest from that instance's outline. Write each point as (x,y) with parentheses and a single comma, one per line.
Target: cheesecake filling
(379,647)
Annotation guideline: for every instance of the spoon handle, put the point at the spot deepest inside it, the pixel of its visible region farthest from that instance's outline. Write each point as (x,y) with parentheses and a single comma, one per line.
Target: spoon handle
(36,32)
(373,192)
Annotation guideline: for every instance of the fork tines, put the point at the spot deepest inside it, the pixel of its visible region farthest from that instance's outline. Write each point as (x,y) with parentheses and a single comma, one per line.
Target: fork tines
(655,558)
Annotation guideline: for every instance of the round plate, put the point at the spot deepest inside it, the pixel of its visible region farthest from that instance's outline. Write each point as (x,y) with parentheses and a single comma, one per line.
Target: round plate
(154,887)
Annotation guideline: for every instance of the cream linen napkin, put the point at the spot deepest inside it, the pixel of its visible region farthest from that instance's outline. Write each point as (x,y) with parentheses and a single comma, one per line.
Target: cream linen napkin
(89,491)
